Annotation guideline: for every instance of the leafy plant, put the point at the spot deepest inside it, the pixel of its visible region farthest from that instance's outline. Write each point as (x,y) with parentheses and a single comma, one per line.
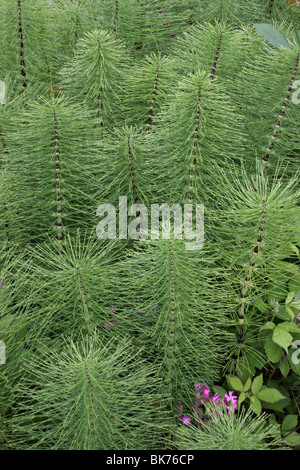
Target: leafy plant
(178,103)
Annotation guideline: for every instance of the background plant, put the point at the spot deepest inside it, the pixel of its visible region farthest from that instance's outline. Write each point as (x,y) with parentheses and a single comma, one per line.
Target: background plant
(162,102)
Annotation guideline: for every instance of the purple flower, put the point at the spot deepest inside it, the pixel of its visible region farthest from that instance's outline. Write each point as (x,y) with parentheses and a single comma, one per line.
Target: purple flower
(230,397)
(186,420)
(216,398)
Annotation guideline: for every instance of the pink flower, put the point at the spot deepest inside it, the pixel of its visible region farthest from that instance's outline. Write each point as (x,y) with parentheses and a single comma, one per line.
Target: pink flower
(206,392)
(185,419)
(180,406)
(230,397)
(229,408)
(216,398)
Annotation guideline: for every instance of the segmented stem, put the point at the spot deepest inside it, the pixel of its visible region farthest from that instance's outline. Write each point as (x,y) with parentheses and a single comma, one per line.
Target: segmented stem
(154,92)
(22,60)
(132,172)
(265,159)
(171,335)
(161,12)
(247,279)
(59,235)
(116,17)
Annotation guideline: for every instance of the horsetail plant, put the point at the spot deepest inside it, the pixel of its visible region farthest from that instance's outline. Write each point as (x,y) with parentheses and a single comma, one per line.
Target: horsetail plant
(181,335)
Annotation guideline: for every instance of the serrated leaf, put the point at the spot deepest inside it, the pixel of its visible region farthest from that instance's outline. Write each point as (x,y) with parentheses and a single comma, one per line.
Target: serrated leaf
(268,326)
(247,385)
(270,395)
(293,439)
(257,384)
(273,350)
(290,297)
(289,422)
(242,397)
(271,34)
(290,312)
(290,326)
(282,337)
(235,383)
(284,367)
(255,404)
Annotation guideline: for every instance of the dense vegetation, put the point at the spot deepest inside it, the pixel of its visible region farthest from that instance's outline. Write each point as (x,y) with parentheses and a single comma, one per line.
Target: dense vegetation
(142,343)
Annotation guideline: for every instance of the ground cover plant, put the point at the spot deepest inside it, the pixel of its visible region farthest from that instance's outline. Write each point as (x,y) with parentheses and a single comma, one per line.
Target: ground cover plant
(185,114)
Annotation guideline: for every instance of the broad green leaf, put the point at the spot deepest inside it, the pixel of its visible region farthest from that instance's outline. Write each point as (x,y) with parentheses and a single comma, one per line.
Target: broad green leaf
(242,397)
(290,326)
(282,337)
(247,385)
(270,395)
(257,384)
(290,297)
(255,404)
(290,312)
(235,383)
(271,34)
(289,422)
(220,390)
(284,367)
(293,439)
(282,313)
(273,350)
(268,326)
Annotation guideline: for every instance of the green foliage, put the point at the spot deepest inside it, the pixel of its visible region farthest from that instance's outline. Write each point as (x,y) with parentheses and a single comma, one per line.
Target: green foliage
(182,102)
(229,432)
(84,396)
